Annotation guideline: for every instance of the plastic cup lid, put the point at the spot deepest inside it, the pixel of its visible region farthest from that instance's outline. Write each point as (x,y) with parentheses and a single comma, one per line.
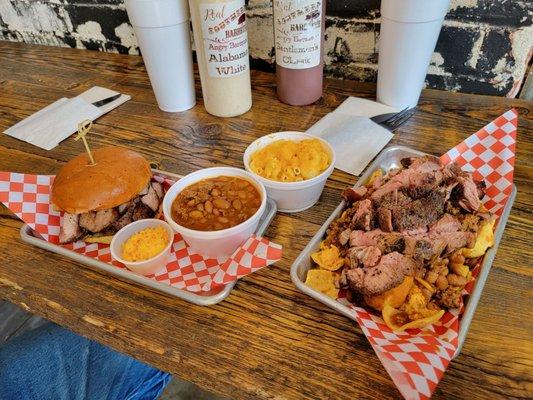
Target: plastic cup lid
(157,13)
(414,11)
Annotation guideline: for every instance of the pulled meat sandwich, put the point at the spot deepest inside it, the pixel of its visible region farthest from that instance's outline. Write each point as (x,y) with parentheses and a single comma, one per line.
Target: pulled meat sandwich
(98,200)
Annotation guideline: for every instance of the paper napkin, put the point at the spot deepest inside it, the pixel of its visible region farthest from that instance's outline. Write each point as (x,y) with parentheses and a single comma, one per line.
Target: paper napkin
(28,197)
(51,125)
(354,137)
(416,359)
(99,93)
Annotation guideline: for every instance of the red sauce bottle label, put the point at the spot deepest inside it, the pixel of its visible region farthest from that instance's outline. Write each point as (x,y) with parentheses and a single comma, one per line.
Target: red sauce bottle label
(297,25)
(225,38)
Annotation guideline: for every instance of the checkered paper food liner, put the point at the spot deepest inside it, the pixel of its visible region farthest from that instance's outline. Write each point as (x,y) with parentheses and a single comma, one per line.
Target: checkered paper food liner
(416,359)
(28,197)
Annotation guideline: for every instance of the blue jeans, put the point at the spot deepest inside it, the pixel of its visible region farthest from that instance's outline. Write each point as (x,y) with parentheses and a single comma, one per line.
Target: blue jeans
(53,363)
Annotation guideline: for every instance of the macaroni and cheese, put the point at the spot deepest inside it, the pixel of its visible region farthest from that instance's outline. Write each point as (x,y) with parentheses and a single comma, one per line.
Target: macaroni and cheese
(290,161)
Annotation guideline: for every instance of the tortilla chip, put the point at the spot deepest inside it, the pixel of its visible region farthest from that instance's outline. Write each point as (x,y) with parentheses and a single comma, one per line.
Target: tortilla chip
(328,258)
(484,240)
(425,283)
(378,173)
(322,281)
(397,320)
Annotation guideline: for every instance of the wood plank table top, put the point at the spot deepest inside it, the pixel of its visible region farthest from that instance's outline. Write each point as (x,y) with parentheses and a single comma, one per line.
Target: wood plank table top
(266,340)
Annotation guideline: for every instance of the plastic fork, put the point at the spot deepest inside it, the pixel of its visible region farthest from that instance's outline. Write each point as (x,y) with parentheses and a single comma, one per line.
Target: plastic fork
(398,119)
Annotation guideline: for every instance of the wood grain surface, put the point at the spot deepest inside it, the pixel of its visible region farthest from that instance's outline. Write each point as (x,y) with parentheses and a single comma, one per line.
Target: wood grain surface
(266,340)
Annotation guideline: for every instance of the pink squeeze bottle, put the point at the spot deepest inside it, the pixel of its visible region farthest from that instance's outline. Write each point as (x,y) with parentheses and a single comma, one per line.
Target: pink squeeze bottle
(299,39)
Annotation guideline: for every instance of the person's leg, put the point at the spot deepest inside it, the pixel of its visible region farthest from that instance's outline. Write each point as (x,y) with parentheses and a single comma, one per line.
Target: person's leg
(53,363)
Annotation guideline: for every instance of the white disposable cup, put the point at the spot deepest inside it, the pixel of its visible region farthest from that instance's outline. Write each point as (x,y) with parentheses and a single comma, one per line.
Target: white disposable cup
(145,267)
(291,196)
(408,35)
(220,243)
(163,33)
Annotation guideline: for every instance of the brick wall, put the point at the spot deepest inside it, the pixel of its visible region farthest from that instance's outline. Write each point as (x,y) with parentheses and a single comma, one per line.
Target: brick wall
(485,46)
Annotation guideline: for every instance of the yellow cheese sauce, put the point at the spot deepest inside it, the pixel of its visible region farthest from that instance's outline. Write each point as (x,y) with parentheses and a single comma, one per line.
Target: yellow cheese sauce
(290,161)
(145,244)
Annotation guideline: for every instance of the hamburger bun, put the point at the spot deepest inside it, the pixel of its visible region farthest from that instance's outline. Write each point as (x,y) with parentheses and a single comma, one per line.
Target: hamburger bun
(118,176)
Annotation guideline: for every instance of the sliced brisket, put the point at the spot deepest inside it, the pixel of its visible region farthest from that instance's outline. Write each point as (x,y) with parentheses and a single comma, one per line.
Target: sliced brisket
(151,199)
(97,221)
(419,213)
(391,242)
(448,229)
(385,219)
(448,223)
(70,229)
(142,211)
(362,238)
(388,273)
(344,236)
(465,194)
(363,216)
(351,195)
(366,256)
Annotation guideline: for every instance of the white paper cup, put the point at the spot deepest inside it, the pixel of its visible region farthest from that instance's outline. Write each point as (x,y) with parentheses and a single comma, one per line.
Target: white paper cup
(162,30)
(408,35)
(291,196)
(220,243)
(145,267)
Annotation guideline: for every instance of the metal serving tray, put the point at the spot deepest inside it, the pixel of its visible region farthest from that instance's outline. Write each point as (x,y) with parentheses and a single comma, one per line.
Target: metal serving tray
(29,236)
(387,159)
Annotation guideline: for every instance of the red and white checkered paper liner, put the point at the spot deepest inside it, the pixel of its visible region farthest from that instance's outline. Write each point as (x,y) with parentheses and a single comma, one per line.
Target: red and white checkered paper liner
(416,359)
(28,197)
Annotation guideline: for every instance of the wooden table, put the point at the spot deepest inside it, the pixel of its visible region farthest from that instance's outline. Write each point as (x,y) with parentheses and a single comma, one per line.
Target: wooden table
(267,340)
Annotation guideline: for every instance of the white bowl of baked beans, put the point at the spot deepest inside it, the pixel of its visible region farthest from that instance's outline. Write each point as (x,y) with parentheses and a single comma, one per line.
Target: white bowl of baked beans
(216,209)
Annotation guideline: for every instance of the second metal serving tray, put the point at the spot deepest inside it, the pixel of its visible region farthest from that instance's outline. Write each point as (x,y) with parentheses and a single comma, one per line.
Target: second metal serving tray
(387,159)
(213,297)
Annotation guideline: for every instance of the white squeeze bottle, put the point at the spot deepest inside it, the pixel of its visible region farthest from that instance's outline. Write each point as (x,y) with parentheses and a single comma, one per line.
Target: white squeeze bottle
(221,42)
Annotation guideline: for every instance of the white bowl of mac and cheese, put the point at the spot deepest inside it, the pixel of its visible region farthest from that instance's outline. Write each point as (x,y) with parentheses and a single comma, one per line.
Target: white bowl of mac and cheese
(293,167)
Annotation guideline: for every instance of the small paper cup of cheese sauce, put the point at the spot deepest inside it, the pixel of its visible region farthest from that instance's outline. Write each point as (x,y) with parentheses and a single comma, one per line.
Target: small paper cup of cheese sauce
(215,243)
(291,197)
(145,266)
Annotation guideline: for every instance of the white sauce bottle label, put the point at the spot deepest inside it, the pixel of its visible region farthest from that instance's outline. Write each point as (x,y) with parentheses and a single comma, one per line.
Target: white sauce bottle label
(297,25)
(225,38)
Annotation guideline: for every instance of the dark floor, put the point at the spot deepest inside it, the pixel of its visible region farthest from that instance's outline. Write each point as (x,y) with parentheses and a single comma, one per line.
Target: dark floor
(14,321)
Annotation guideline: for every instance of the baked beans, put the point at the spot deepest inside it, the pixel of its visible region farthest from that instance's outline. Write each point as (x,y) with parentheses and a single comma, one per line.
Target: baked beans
(216,203)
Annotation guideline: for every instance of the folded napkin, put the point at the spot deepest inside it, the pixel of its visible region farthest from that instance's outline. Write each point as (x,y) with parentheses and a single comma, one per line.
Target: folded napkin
(48,127)
(354,137)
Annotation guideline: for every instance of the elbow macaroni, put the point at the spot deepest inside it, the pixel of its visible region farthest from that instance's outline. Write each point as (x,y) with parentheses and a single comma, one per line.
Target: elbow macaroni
(288,161)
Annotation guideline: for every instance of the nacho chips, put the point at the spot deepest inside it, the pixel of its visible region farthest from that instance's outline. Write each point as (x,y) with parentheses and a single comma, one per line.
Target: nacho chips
(484,240)
(323,281)
(416,312)
(328,258)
